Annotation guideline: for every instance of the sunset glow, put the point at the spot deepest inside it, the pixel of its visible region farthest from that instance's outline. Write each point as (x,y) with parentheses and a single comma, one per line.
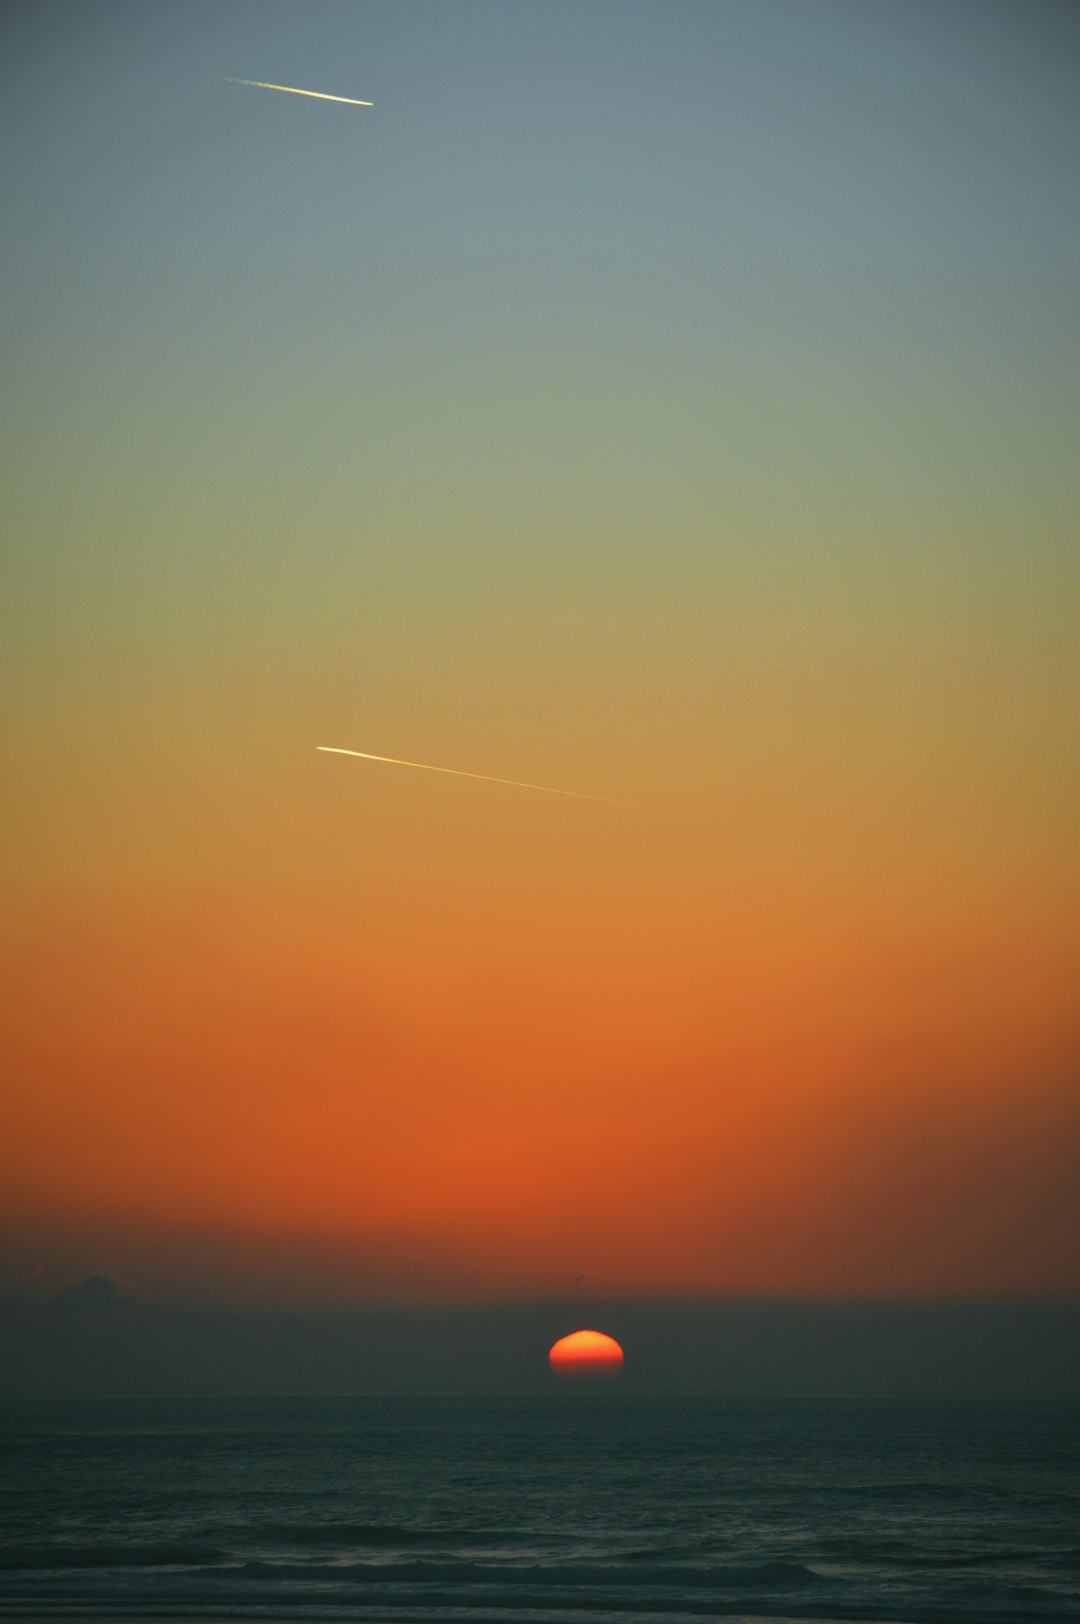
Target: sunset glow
(595,427)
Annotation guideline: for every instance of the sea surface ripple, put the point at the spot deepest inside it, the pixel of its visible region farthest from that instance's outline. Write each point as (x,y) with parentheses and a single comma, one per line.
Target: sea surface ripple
(568,1507)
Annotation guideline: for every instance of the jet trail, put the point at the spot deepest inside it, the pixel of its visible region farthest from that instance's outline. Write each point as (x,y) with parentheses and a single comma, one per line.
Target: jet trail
(320,95)
(456,772)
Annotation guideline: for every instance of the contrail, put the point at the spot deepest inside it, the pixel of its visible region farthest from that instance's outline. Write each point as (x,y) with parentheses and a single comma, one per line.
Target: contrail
(456,772)
(320,95)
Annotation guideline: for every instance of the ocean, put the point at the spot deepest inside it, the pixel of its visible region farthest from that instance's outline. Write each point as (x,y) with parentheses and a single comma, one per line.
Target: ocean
(596,1504)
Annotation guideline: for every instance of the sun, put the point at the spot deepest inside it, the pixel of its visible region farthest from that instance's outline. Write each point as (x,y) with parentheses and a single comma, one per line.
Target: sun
(586,1355)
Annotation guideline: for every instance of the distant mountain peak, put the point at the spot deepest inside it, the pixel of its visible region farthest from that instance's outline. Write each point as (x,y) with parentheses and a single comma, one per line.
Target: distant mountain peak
(100,1293)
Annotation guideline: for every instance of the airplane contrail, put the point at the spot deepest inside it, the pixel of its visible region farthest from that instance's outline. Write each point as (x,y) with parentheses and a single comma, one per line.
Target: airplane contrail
(456,772)
(320,95)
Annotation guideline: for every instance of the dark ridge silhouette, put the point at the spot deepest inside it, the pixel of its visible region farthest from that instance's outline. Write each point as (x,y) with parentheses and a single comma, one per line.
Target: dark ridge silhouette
(99,1294)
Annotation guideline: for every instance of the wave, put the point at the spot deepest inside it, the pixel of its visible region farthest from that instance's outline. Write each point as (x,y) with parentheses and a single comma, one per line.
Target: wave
(25,1557)
(914,1557)
(475,1593)
(650,1553)
(344,1534)
(772,1575)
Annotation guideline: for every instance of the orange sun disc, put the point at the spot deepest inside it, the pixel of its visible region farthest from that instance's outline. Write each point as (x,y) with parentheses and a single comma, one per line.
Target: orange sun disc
(588,1354)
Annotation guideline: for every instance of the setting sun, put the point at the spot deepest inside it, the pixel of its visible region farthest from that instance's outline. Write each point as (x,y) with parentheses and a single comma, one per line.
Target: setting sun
(586,1354)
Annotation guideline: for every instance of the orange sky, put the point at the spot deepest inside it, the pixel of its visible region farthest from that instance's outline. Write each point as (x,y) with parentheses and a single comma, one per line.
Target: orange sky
(712,450)
(444,1090)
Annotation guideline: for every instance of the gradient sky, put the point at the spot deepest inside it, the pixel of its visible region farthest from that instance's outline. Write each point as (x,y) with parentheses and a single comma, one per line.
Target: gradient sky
(669,401)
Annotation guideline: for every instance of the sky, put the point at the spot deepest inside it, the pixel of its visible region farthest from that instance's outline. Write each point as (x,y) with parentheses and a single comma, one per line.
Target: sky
(668,402)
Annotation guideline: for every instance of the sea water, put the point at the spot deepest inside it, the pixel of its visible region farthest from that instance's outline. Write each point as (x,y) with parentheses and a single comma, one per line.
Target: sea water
(572,1506)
